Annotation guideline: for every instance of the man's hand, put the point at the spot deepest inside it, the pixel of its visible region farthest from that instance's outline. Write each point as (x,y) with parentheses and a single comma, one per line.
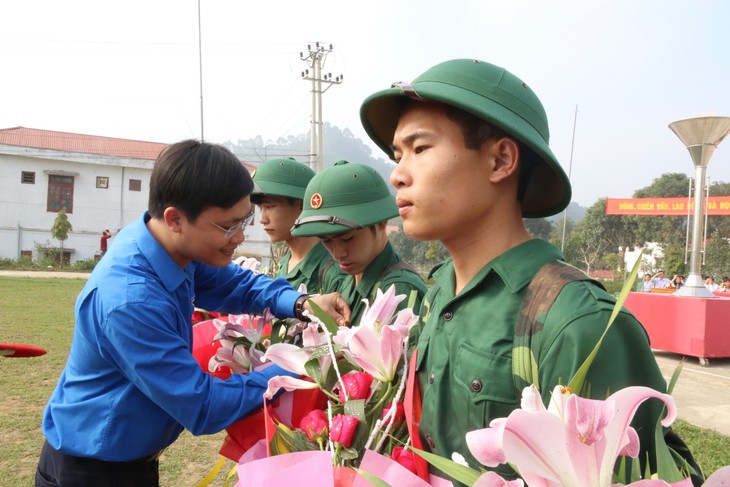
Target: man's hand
(333,305)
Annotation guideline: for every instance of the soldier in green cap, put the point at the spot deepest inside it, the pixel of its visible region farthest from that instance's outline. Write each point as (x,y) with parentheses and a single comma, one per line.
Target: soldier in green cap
(348,206)
(471,143)
(279,186)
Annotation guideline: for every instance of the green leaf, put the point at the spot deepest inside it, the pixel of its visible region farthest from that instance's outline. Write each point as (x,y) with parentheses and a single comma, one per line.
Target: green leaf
(330,323)
(276,331)
(454,470)
(578,380)
(314,370)
(675,377)
(286,441)
(348,453)
(377,482)
(666,467)
(356,407)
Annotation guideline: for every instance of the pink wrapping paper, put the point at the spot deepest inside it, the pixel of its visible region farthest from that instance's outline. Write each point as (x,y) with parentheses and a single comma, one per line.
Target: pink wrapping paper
(314,469)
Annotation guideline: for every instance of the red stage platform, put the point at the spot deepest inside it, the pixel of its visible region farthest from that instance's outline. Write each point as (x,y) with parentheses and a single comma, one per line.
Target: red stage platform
(698,327)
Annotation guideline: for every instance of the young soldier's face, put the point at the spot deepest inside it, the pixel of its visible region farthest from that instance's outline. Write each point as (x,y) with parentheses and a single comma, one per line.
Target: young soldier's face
(277,215)
(354,251)
(442,186)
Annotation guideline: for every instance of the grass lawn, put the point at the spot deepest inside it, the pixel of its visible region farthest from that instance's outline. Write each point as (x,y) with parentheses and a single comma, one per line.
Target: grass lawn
(40,312)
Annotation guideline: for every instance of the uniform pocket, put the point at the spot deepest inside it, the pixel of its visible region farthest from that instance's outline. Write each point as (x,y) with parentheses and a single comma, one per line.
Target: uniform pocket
(483,376)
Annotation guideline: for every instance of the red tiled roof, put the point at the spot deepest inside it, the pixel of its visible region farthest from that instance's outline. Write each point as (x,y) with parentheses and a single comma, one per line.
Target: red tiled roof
(89,144)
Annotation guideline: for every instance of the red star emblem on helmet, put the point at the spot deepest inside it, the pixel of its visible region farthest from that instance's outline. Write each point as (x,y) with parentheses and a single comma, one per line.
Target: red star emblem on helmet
(316,200)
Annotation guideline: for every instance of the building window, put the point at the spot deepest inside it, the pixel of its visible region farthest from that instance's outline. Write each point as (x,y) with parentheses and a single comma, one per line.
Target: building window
(60,193)
(102,182)
(27,177)
(135,185)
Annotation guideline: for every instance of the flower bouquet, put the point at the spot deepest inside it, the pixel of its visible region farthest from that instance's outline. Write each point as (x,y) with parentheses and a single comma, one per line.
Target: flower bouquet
(360,431)
(224,344)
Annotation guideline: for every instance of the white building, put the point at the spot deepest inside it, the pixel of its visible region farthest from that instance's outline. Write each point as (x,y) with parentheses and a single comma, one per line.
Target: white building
(102,182)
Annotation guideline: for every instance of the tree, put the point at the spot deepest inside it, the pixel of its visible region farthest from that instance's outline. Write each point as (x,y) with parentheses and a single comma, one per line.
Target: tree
(717,256)
(538,227)
(664,230)
(617,231)
(59,230)
(591,245)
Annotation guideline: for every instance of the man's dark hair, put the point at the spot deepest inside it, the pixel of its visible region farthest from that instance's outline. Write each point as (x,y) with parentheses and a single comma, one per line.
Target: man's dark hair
(192,176)
(476,131)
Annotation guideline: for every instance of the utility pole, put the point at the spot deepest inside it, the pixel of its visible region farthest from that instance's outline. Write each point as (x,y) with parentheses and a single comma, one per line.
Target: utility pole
(570,170)
(200,71)
(315,59)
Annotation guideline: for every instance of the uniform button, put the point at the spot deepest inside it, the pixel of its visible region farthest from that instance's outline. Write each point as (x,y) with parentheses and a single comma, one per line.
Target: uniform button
(431,377)
(448,315)
(476,385)
(430,442)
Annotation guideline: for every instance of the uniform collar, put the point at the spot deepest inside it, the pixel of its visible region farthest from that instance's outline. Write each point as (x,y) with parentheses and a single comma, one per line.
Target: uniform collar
(372,274)
(516,267)
(315,254)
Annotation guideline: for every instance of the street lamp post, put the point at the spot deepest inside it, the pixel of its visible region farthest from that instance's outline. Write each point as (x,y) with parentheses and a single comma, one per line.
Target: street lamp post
(701,136)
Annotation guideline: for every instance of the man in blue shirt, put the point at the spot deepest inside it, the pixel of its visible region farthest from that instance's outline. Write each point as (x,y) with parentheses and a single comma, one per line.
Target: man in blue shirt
(131,383)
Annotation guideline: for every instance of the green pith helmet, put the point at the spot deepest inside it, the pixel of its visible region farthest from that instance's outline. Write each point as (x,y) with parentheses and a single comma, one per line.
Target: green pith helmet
(281,177)
(492,94)
(344,197)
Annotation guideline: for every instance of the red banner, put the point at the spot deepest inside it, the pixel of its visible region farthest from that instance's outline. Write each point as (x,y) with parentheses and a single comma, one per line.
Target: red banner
(714,206)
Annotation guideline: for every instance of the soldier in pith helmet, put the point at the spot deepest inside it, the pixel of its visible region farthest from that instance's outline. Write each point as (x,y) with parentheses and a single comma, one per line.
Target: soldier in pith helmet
(279,186)
(348,206)
(471,143)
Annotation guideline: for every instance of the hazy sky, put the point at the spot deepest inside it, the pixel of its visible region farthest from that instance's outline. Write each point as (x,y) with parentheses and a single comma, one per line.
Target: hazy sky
(131,69)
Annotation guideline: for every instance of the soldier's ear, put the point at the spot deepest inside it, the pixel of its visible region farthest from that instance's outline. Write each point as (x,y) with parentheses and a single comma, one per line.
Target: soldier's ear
(505,159)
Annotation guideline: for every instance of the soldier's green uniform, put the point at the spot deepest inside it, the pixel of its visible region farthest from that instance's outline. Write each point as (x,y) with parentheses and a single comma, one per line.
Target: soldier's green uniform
(465,348)
(384,271)
(350,196)
(288,178)
(466,342)
(318,271)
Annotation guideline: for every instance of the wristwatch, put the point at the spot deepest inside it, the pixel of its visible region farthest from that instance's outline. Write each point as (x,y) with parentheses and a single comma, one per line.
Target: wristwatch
(299,308)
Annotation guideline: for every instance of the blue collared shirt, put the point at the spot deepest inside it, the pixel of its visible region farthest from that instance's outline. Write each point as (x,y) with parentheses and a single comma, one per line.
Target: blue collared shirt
(131,383)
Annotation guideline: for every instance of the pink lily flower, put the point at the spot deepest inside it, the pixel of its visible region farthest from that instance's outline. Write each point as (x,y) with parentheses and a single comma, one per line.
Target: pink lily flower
(229,355)
(240,326)
(491,479)
(287,383)
(249,263)
(575,442)
(250,327)
(293,358)
(376,345)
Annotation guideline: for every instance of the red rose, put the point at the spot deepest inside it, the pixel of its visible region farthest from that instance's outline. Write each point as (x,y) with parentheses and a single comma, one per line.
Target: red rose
(314,424)
(357,385)
(405,458)
(343,429)
(198,316)
(400,413)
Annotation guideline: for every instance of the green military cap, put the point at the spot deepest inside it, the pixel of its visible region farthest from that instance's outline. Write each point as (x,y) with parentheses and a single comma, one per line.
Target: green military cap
(492,94)
(281,177)
(344,197)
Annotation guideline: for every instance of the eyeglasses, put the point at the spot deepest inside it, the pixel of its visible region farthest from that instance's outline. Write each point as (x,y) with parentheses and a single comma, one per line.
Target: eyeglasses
(231,231)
